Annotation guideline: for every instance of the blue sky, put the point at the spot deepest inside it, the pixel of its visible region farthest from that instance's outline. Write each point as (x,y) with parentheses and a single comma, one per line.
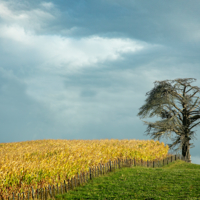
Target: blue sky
(81,69)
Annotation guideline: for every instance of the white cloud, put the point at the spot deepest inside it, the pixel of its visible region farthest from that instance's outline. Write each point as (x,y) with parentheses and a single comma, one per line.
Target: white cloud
(15,33)
(47,5)
(33,19)
(64,53)
(60,54)
(68,53)
(8,15)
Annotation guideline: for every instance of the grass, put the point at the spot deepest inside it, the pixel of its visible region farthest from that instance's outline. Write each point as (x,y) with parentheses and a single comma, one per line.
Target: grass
(177,180)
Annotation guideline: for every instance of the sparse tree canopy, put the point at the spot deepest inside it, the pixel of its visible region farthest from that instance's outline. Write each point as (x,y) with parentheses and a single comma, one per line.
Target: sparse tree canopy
(161,101)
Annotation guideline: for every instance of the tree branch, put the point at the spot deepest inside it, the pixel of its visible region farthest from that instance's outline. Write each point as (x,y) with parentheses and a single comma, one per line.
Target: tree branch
(194,126)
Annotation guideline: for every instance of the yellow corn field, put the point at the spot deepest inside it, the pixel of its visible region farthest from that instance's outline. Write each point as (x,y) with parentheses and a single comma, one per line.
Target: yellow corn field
(41,162)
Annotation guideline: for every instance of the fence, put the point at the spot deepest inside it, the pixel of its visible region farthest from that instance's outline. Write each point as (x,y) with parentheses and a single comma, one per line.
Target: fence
(50,192)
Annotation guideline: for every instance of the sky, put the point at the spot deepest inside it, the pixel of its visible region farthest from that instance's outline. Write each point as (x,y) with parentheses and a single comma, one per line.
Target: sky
(81,69)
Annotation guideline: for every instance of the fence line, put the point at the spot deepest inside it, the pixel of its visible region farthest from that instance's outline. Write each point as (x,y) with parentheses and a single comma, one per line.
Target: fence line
(50,192)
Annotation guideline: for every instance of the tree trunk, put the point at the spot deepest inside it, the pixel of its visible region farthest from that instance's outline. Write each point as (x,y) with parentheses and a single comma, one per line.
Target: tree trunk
(186,151)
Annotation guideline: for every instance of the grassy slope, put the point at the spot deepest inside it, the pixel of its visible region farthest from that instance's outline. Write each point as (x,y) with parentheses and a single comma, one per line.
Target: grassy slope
(177,180)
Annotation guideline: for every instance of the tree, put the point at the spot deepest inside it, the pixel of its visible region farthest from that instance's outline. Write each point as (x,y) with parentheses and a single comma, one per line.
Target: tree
(161,101)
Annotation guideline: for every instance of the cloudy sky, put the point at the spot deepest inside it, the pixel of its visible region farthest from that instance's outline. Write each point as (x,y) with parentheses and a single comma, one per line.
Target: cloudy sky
(81,69)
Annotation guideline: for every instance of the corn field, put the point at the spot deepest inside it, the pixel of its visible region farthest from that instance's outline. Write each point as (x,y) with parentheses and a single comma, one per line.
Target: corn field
(36,164)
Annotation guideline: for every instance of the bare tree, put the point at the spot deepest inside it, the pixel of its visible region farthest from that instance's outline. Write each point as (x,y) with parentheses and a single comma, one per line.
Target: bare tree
(161,101)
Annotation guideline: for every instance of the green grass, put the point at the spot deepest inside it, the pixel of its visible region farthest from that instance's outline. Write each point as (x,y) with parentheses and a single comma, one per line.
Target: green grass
(177,180)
